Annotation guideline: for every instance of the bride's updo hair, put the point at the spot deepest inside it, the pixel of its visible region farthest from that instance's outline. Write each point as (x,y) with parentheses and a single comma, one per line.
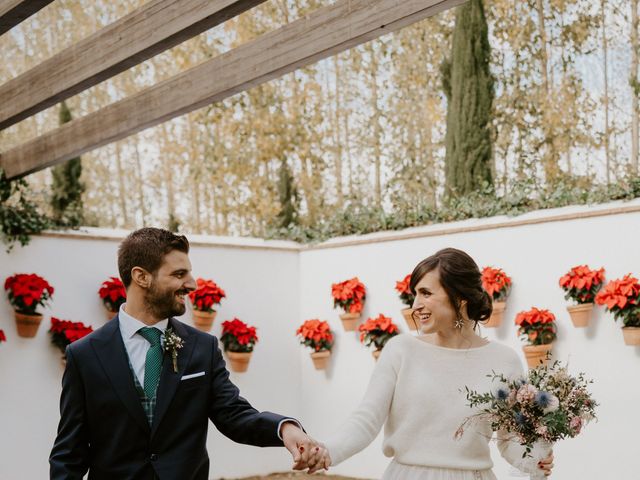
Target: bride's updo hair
(461,279)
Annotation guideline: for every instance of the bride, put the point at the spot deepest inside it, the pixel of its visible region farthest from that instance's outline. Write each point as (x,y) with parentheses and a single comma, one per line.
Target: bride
(417,387)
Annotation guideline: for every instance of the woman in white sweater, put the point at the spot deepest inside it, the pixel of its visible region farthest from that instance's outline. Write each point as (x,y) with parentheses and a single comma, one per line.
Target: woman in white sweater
(417,388)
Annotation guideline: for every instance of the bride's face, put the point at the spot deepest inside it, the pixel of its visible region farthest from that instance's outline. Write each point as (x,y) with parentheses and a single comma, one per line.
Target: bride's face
(432,308)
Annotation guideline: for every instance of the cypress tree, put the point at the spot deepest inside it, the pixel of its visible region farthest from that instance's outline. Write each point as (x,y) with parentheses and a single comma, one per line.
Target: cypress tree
(468,85)
(287,193)
(67,189)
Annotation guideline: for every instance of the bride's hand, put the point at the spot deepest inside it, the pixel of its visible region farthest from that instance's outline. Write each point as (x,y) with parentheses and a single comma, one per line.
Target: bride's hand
(546,465)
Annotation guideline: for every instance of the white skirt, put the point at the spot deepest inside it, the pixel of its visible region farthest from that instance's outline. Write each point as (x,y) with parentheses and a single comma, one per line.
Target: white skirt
(398,471)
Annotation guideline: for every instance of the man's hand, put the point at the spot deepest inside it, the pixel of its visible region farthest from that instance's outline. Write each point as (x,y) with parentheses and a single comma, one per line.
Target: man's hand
(306,452)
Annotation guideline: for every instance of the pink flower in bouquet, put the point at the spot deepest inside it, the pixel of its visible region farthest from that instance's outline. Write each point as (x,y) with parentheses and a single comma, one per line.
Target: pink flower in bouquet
(526,393)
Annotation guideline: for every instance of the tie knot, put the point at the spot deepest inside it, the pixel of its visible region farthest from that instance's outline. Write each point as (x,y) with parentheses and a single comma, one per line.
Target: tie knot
(151,334)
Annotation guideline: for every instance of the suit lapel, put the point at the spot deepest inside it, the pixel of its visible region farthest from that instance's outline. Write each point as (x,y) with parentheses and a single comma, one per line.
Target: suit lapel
(169,380)
(111,353)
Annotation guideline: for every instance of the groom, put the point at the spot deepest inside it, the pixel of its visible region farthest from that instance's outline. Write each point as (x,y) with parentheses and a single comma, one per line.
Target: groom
(129,411)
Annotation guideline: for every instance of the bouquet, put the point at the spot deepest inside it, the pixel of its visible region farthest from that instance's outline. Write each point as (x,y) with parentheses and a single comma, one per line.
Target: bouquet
(546,406)
(65,332)
(402,287)
(237,336)
(349,295)
(113,294)
(496,283)
(581,284)
(377,331)
(315,334)
(536,326)
(622,298)
(27,291)
(206,295)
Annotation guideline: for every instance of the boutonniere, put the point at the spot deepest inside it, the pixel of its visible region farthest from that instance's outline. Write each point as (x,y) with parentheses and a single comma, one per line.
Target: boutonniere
(172,343)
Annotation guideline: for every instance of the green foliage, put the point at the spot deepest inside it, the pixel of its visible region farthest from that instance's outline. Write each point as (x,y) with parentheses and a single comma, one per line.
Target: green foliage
(288,195)
(67,189)
(523,197)
(19,215)
(468,84)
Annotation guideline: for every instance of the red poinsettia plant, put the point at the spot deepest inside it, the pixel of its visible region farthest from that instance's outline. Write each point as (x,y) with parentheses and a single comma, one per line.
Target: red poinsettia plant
(537,326)
(377,331)
(65,332)
(496,283)
(622,298)
(581,284)
(113,294)
(206,295)
(349,295)
(27,291)
(315,334)
(3,337)
(237,336)
(402,287)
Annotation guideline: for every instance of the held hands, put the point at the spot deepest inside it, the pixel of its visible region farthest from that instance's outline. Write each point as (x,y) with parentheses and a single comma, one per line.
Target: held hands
(307,453)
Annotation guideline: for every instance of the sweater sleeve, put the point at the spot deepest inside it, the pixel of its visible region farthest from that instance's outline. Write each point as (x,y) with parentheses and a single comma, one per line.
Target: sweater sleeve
(363,425)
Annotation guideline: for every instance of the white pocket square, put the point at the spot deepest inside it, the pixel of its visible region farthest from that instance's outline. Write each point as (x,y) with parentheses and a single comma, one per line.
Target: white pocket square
(191,375)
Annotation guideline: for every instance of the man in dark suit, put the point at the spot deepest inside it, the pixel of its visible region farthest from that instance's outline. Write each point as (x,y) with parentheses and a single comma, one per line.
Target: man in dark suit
(138,392)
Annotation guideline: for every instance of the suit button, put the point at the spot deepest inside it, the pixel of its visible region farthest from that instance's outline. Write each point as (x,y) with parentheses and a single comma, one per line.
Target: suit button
(153,457)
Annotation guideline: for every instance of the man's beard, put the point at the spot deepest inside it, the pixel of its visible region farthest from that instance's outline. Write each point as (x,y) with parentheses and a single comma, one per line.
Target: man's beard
(163,303)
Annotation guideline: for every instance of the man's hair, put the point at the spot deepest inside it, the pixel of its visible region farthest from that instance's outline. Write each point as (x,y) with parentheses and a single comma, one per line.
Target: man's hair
(146,248)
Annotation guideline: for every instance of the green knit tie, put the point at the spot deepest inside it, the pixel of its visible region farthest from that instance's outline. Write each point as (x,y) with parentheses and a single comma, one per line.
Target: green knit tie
(153,362)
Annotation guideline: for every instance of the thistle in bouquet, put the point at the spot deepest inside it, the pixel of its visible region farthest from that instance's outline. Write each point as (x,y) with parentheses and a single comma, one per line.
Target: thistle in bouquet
(535,410)
(581,284)
(498,285)
(349,296)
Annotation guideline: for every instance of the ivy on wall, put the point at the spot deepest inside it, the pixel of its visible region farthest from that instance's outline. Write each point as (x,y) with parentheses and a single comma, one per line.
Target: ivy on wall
(19,215)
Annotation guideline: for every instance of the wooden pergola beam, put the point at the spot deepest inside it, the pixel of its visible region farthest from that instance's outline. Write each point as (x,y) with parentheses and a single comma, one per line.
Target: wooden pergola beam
(145,32)
(323,33)
(13,12)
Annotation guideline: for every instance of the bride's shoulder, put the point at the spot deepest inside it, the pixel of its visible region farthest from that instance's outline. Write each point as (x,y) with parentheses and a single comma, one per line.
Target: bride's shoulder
(504,352)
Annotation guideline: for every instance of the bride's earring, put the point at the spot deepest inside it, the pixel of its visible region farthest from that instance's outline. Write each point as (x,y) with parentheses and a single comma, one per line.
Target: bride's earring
(459,322)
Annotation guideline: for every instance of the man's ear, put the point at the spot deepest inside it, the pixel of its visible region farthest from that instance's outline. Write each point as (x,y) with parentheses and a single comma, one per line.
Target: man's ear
(140,277)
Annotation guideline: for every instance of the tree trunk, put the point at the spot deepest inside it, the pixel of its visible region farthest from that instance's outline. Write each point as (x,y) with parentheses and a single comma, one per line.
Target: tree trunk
(605,53)
(635,87)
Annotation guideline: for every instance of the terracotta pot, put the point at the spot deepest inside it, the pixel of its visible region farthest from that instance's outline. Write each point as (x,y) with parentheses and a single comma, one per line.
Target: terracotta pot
(203,320)
(321,359)
(349,321)
(537,354)
(239,361)
(495,320)
(406,313)
(27,324)
(376,354)
(110,314)
(631,335)
(580,314)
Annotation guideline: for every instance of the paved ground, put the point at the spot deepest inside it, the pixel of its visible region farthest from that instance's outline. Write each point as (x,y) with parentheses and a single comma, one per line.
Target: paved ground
(296,476)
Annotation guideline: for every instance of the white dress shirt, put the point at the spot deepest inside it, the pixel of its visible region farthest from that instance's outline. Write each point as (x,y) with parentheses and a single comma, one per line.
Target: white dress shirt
(135,344)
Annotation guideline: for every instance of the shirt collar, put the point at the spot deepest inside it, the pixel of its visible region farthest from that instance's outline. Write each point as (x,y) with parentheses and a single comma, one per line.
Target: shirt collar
(129,325)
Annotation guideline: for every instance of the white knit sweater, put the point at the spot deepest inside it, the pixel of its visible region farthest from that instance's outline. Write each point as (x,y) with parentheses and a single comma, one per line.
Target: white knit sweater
(417,392)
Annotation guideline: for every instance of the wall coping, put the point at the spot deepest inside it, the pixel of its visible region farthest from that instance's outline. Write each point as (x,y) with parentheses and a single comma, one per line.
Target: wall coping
(563,214)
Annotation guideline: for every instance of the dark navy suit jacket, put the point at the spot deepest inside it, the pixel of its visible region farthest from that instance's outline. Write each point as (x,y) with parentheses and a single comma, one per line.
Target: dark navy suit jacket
(103,428)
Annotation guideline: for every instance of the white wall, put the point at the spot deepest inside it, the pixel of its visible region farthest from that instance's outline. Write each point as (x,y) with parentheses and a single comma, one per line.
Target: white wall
(535,256)
(261,287)
(274,286)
